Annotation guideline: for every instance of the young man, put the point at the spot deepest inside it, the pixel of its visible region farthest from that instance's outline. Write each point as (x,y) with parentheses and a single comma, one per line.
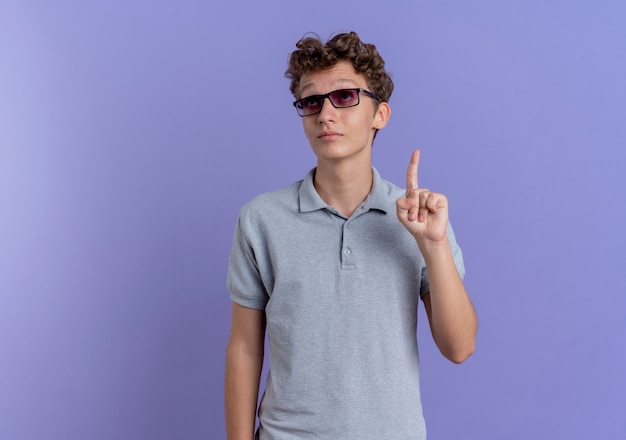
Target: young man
(333,266)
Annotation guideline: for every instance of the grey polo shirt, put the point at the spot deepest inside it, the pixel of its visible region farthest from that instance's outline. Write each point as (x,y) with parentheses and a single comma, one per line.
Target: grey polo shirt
(340,296)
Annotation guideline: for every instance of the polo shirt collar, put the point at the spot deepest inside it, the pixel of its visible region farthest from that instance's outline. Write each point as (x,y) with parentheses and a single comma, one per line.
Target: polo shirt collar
(310,200)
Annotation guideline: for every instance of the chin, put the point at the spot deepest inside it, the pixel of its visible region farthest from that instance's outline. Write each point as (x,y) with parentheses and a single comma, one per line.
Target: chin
(337,150)
(330,150)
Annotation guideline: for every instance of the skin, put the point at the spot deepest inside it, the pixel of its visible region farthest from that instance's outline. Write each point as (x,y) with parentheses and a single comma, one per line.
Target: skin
(244,361)
(451,315)
(342,138)
(342,141)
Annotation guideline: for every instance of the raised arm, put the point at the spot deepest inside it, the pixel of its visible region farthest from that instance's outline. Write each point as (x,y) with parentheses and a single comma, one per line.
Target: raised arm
(244,361)
(450,312)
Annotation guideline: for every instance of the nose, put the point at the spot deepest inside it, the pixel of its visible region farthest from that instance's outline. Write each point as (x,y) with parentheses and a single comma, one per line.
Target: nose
(328,111)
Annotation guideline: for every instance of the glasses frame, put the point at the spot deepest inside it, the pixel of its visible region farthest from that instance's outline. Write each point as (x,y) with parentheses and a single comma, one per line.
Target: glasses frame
(359,90)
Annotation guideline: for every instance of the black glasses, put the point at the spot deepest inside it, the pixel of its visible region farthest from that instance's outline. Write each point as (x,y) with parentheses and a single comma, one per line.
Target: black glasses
(343,98)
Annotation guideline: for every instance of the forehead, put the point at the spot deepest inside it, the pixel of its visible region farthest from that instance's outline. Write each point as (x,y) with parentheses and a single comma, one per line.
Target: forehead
(341,75)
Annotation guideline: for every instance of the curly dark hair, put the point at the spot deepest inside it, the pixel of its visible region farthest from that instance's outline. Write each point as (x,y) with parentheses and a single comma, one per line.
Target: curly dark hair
(313,55)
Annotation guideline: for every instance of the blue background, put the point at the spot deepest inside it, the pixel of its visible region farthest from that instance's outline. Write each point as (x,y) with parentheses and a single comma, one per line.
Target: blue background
(132,132)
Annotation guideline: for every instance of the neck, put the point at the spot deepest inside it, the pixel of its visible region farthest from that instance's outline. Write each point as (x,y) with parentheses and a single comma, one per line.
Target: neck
(344,186)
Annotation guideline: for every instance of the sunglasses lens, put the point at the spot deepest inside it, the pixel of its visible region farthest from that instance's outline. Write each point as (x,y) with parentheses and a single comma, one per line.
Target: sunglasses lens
(345,98)
(310,105)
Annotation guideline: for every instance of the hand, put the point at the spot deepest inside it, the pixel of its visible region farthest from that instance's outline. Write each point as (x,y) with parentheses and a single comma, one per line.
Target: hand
(423,213)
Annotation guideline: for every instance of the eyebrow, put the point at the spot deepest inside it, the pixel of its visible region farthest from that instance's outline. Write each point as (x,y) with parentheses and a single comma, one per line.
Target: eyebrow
(339,82)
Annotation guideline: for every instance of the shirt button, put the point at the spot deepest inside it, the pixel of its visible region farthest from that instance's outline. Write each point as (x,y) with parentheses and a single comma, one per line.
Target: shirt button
(346,251)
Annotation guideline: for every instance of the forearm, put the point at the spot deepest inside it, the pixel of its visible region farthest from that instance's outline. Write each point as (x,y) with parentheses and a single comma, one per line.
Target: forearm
(241,390)
(452,316)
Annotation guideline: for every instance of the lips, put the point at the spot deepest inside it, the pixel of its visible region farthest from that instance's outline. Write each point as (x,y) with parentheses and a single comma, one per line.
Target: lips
(329,135)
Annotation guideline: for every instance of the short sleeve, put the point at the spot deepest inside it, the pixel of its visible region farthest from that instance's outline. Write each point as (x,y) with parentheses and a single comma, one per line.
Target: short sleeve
(244,280)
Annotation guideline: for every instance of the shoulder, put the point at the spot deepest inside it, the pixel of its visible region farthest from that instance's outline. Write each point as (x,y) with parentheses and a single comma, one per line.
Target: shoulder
(387,186)
(391,189)
(272,203)
(385,193)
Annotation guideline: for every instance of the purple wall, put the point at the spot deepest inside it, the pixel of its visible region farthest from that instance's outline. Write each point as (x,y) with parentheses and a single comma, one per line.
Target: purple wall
(132,132)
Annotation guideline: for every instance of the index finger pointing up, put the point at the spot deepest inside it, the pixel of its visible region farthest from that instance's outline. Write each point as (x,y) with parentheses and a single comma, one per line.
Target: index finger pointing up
(411,172)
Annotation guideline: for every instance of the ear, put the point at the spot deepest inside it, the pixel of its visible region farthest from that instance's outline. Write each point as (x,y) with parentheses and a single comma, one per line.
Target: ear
(381,117)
